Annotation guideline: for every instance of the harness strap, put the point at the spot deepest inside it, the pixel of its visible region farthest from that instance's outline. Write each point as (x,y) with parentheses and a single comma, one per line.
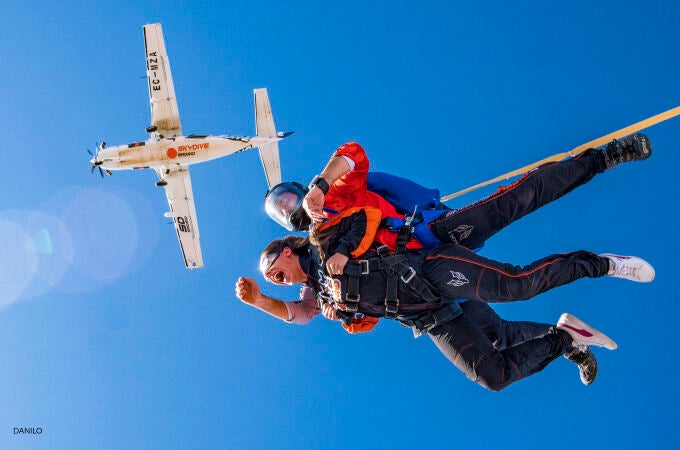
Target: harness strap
(391,298)
(392,289)
(395,224)
(353,297)
(407,274)
(427,322)
(403,237)
(359,267)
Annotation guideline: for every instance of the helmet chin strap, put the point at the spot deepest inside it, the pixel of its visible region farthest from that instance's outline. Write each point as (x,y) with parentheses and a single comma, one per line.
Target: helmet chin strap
(300,220)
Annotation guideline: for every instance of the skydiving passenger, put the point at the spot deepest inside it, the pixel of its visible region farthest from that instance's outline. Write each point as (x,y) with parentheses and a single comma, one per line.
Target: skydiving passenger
(492,338)
(419,288)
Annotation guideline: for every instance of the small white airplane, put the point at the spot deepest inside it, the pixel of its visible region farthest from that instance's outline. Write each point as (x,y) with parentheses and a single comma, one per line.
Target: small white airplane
(170,154)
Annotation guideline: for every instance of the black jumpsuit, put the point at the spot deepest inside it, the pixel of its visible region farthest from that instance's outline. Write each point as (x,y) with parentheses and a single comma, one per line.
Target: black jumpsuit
(470,341)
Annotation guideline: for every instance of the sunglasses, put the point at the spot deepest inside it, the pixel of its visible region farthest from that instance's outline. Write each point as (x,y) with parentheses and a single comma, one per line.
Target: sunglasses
(268,265)
(277,277)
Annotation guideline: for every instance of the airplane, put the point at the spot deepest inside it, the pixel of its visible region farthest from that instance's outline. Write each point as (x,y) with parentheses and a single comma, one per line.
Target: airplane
(170,154)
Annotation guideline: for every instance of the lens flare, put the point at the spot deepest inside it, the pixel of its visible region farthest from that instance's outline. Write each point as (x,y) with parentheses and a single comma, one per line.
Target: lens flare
(17,265)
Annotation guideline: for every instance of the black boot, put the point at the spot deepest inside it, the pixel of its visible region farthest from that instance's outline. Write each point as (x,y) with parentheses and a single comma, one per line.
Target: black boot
(586,362)
(634,147)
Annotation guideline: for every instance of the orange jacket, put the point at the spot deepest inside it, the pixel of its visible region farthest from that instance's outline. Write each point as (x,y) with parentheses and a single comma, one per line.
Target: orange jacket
(350,191)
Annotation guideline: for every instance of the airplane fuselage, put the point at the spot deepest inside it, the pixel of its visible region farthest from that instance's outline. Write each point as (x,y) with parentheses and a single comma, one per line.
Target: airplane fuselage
(177,150)
(169,153)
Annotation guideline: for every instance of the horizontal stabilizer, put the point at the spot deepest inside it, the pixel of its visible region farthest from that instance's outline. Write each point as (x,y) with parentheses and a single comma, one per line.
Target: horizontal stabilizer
(264,126)
(264,121)
(269,154)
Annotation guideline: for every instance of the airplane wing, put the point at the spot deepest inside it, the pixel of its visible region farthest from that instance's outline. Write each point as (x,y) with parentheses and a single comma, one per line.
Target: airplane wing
(183,213)
(164,112)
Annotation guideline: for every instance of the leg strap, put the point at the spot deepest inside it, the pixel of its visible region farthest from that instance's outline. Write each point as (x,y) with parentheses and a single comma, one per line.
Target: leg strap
(427,322)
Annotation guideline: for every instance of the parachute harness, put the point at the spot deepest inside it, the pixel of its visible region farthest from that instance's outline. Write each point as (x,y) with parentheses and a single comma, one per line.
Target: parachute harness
(396,268)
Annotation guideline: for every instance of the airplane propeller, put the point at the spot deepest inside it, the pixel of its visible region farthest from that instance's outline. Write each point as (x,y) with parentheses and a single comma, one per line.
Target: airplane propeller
(96,163)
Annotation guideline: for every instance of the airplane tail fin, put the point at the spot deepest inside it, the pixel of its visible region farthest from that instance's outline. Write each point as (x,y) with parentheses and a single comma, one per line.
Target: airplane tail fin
(264,125)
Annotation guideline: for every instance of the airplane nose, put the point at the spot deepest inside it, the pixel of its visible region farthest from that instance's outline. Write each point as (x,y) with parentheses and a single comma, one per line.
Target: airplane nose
(107,155)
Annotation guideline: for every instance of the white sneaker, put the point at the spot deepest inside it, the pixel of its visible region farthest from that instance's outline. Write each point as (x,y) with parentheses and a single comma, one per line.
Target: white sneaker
(629,267)
(583,334)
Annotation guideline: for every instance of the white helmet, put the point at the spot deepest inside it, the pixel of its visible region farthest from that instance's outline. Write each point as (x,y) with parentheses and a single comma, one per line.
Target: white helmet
(283,203)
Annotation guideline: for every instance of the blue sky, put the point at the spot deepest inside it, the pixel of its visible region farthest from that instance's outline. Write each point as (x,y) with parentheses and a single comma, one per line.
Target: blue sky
(108,342)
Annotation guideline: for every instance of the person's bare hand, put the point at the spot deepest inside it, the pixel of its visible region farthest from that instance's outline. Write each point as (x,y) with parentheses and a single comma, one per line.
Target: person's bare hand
(329,312)
(247,290)
(313,204)
(336,264)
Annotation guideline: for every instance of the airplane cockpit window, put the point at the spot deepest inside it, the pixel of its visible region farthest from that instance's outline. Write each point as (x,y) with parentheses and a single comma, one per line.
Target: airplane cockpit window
(237,138)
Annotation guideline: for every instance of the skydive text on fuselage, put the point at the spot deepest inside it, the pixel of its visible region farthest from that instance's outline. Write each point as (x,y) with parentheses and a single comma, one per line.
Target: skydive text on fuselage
(185,148)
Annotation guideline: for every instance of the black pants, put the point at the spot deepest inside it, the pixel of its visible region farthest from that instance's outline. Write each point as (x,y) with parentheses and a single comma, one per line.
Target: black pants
(472,225)
(494,352)
(458,272)
(489,350)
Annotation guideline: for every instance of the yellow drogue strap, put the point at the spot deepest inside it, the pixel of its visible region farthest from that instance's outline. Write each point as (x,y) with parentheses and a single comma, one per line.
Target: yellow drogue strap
(576,151)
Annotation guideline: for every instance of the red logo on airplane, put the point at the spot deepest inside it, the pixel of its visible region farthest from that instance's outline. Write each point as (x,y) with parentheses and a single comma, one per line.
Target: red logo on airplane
(172,153)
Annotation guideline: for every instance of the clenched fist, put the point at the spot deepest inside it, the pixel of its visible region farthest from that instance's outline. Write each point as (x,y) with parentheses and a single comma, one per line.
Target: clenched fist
(247,290)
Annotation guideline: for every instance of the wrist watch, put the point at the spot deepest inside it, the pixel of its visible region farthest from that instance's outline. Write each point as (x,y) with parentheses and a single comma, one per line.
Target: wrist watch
(321,183)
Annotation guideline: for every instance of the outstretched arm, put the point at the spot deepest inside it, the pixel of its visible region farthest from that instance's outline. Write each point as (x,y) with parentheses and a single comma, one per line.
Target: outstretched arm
(248,291)
(299,312)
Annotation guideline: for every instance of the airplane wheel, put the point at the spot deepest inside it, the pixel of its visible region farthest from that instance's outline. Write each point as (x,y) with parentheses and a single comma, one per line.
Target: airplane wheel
(151,129)
(161,183)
